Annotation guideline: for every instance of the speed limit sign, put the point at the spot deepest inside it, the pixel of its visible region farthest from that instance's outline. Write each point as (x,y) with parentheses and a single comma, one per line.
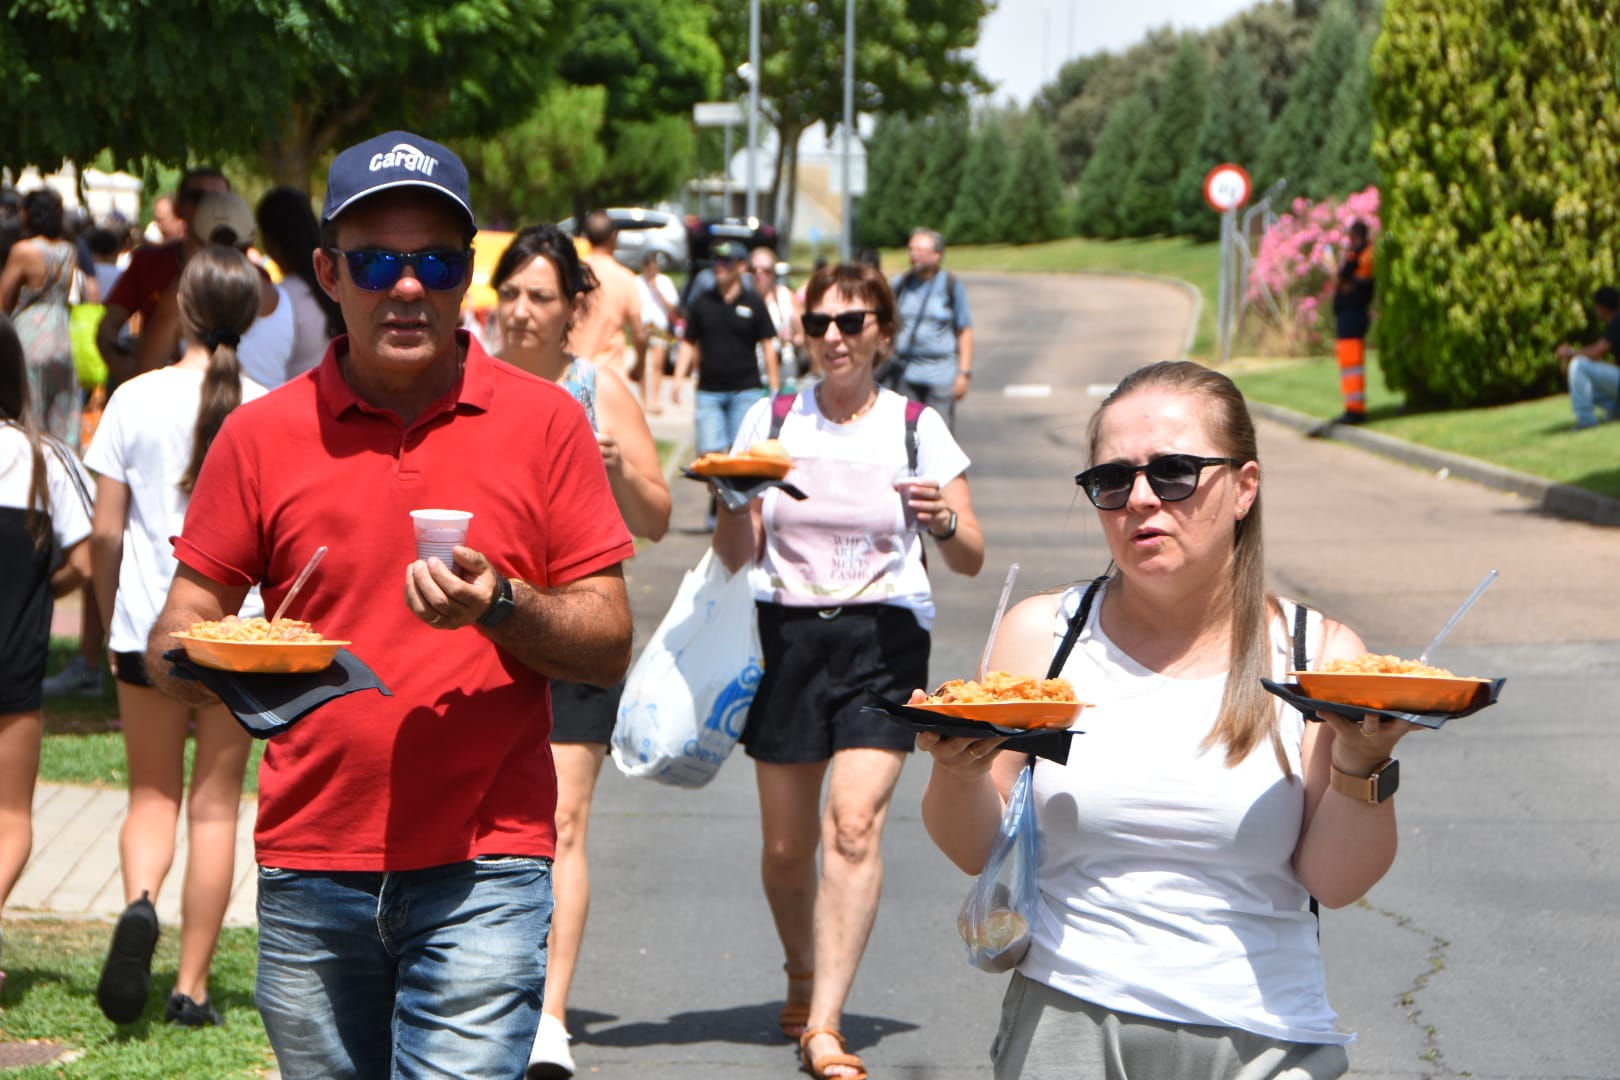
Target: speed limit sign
(1227,187)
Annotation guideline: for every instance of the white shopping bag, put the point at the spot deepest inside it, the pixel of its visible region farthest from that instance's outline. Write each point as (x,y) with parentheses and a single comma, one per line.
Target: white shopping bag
(688,693)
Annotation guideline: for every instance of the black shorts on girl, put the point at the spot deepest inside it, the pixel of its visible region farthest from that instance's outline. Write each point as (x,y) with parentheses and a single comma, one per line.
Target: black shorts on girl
(819,665)
(132,669)
(581,713)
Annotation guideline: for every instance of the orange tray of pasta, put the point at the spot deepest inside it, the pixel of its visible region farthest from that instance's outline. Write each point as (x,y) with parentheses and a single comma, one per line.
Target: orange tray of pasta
(256,645)
(1009,701)
(1376,681)
(766,468)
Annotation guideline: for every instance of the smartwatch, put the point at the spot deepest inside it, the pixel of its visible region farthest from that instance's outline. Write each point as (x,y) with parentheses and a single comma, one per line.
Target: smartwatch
(950,529)
(502,607)
(1369,789)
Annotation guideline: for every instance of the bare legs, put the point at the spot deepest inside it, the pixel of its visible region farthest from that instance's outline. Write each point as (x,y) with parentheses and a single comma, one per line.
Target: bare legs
(20,735)
(578,766)
(155,729)
(824,924)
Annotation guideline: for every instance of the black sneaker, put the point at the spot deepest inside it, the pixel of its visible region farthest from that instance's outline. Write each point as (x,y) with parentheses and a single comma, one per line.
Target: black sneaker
(187,1013)
(126,978)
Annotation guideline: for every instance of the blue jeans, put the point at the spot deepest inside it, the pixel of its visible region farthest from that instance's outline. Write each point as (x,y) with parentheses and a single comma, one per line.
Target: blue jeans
(419,973)
(720,415)
(1593,383)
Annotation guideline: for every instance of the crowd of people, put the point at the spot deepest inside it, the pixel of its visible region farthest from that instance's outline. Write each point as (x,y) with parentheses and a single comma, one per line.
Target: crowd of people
(423,869)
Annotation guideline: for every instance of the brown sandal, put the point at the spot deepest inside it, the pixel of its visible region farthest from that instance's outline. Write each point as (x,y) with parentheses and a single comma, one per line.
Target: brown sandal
(819,1066)
(795,1014)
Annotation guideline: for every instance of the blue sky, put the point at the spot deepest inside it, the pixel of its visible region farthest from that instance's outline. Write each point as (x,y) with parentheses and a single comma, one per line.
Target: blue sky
(1023,43)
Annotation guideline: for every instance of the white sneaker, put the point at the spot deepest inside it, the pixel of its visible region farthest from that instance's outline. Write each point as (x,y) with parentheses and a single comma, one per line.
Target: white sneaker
(550,1059)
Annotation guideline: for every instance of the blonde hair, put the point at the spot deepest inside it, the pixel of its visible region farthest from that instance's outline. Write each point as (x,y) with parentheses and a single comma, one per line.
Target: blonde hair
(1248,713)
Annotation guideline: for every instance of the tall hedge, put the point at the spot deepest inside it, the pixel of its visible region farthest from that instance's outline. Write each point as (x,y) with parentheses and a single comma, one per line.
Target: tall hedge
(987,165)
(1499,142)
(1148,204)
(1096,211)
(1030,207)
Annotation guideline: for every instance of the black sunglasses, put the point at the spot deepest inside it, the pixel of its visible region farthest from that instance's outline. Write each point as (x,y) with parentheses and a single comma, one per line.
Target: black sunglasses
(1172,477)
(374,269)
(849,322)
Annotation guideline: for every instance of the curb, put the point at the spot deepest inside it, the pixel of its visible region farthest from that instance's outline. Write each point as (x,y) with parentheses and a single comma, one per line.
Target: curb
(1559,500)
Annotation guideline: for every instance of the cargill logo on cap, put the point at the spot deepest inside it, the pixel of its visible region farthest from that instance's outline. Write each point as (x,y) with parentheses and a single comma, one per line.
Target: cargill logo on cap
(407,157)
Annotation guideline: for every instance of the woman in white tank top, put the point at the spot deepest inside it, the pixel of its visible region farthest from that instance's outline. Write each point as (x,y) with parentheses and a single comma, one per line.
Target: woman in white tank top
(1197,815)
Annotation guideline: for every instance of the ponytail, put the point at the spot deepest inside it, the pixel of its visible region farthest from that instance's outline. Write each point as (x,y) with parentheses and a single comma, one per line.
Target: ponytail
(219,299)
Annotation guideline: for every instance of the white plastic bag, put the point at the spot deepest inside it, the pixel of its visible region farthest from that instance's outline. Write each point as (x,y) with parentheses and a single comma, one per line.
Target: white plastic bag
(687,695)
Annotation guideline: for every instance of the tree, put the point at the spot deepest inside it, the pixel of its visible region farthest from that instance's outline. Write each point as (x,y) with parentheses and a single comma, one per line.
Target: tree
(1293,149)
(280,82)
(1078,104)
(530,172)
(970,221)
(1347,163)
(1096,211)
(1234,129)
(947,138)
(880,224)
(1030,206)
(912,57)
(1497,146)
(655,60)
(1148,205)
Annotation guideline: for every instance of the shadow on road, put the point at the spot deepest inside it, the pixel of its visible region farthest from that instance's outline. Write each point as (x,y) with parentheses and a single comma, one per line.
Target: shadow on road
(753,1025)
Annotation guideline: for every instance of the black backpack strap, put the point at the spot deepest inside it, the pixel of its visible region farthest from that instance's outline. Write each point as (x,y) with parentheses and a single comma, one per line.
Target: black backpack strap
(1076,624)
(1301,616)
(781,405)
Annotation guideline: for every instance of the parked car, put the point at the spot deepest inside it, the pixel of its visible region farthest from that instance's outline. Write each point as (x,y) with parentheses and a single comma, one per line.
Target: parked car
(641,231)
(749,232)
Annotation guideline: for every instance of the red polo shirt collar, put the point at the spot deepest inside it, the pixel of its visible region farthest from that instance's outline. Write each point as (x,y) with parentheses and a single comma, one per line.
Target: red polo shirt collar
(473,393)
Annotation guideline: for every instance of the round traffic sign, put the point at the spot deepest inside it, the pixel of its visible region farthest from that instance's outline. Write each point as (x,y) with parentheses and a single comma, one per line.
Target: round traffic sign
(1227,187)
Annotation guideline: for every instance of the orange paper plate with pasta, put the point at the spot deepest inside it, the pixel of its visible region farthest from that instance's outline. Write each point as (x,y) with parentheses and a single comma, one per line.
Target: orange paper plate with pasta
(717,464)
(1400,693)
(264,657)
(1026,715)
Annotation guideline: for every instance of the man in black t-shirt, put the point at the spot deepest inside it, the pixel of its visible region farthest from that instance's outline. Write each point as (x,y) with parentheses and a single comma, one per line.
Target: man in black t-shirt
(1594,380)
(723,325)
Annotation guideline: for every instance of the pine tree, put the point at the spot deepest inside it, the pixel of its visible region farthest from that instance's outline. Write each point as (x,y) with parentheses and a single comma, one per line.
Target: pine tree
(1029,208)
(1347,162)
(879,226)
(909,169)
(1148,206)
(948,141)
(1293,149)
(1234,130)
(982,174)
(1096,211)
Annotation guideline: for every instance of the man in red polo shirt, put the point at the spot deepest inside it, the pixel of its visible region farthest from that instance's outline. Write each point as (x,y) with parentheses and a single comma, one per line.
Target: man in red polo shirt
(405,842)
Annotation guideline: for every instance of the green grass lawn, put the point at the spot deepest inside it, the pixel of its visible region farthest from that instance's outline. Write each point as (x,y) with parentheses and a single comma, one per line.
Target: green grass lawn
(1536,437)
(50,996)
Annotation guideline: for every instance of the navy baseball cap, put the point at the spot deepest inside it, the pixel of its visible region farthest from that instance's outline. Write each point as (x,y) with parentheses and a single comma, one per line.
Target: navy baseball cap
(396,159)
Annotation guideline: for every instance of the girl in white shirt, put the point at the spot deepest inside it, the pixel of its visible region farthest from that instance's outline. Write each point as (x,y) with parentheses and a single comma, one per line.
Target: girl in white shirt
(153,437)
(44,523)
(1196,815)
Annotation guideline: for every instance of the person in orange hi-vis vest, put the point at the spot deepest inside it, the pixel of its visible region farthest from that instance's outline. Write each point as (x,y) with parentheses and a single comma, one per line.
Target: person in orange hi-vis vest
(1352,303)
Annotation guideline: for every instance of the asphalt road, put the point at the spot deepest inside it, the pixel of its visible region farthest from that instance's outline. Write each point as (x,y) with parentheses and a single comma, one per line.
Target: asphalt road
(1489,950)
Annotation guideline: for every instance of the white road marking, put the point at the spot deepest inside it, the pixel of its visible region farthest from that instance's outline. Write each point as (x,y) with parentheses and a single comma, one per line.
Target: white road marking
(1027,390)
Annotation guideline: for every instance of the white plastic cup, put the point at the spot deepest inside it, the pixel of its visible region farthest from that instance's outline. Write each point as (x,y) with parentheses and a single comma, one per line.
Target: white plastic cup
(438,532)
(903,485)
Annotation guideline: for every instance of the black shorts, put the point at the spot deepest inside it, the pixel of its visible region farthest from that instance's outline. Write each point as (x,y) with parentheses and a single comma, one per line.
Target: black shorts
(817,674)
(132,669)
(581,713)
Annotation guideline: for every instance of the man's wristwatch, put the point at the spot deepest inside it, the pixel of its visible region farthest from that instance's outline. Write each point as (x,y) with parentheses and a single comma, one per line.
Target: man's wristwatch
(1369,789)
(950,529)
(502,607)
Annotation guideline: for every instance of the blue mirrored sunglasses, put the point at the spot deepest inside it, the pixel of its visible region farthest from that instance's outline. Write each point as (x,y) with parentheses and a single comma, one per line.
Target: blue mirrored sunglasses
(374,269)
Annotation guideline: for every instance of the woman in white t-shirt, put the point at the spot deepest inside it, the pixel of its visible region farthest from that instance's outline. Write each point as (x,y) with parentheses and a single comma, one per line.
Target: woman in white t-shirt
(44,523)
(1194,819)
(147,453)
(290,234)
(844,607)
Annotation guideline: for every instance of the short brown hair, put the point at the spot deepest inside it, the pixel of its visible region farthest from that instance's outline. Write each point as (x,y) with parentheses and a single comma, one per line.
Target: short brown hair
(863,283)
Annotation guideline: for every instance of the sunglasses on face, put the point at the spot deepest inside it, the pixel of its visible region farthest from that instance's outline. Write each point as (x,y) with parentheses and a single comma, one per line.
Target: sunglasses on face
(849,322)
(374,269)
(1172,477)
